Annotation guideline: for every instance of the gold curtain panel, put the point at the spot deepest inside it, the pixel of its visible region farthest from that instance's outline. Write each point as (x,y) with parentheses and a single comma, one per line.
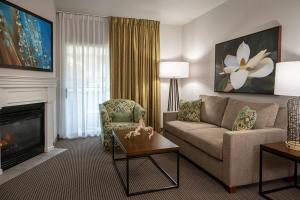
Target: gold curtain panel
(134,61)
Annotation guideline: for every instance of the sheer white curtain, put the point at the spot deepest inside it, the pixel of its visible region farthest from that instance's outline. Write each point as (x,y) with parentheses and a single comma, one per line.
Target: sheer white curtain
(83,45)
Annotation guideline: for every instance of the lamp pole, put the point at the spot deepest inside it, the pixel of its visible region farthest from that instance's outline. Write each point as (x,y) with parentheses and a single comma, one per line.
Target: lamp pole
(174,71)
(173,103)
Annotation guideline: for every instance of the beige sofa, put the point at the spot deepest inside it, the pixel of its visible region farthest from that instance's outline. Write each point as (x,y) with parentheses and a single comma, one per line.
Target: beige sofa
(230,156)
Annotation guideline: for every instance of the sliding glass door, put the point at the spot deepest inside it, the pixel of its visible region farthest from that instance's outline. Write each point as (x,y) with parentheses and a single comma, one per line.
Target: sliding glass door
(84,74)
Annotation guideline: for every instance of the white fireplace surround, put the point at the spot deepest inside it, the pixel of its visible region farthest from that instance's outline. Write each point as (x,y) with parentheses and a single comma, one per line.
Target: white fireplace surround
(20,90)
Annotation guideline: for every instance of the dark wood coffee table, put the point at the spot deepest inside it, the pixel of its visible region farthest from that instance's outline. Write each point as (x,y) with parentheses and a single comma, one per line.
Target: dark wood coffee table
(278,149)
(143,147)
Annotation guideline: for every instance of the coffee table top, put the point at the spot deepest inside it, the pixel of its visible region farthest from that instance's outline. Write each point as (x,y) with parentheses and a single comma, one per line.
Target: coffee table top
(142,145)
(280,148)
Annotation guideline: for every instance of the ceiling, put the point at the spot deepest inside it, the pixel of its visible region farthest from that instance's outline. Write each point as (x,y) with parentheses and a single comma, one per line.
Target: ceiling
(175,12)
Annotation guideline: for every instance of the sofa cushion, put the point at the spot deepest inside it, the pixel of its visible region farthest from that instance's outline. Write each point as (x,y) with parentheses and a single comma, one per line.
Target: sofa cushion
(266,113)
(212,109)
(178,128)
(189,111)
(281,119)
(208,140)
(120,126)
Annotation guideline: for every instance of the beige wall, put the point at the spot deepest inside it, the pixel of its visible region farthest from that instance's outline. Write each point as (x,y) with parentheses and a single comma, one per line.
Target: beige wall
(230,20)
(170,50)
(46,9)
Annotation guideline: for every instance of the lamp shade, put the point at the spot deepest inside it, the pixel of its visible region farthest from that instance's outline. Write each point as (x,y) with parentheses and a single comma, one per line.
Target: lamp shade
(174,70)
(287,79)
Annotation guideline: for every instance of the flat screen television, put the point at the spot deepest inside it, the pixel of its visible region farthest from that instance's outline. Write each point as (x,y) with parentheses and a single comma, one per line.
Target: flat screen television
(26,39)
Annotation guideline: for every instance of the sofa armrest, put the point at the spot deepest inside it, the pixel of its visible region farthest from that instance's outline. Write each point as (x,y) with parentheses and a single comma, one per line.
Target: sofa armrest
(241,153)
(169,116)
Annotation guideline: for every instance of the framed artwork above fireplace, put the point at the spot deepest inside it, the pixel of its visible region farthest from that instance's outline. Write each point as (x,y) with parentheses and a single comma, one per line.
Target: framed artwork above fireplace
(26,39)
(247,64)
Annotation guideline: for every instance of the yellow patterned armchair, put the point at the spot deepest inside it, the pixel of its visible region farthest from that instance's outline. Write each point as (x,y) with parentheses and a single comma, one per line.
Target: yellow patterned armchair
(118,114)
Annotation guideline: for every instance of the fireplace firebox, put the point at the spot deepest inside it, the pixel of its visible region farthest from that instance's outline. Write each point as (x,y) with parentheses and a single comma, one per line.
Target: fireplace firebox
(21,133)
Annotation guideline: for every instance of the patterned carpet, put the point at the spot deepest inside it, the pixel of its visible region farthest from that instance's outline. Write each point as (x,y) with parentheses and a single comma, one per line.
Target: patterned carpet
(85,172)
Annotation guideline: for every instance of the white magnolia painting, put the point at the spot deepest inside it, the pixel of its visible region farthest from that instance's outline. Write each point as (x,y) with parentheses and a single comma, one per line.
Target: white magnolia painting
(247,64)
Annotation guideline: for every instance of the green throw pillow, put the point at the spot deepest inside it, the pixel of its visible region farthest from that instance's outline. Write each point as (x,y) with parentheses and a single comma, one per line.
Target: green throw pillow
(189,111)
(245,120)
(122,117)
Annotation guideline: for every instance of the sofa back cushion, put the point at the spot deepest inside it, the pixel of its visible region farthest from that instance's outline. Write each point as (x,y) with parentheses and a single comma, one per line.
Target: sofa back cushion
(281,119)
(212,109)
(266,113)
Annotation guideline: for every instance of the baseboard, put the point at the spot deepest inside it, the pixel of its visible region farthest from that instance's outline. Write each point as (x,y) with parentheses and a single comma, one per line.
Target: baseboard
(291,178)
(47,149)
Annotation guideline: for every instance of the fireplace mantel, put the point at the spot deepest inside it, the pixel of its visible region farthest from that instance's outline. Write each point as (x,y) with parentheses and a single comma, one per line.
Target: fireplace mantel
(20,90)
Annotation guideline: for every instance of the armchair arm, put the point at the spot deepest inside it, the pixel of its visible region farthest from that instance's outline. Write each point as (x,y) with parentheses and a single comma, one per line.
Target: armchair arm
(138,112)
(104,116)
(241,154)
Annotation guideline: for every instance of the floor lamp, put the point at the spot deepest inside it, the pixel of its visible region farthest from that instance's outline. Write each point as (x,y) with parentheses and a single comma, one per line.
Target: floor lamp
(287,83)
(174,71)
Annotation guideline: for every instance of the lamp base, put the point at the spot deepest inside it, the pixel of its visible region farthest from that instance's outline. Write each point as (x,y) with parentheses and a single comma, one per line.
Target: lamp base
(294,145)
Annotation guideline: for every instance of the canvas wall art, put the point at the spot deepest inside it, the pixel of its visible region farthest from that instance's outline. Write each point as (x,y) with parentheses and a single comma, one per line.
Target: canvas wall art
(247,64)
(26,40)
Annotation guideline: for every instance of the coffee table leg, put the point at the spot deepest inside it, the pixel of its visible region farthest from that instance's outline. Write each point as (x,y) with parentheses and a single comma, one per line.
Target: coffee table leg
(127,176)
(113,147)
(296,174)
(178,161)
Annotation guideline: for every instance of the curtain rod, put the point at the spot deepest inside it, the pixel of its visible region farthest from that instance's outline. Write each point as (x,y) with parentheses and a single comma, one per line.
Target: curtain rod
(76,13)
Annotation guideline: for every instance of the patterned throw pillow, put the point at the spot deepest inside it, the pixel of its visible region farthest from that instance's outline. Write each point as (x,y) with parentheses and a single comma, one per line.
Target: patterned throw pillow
(245,120)
(189,111)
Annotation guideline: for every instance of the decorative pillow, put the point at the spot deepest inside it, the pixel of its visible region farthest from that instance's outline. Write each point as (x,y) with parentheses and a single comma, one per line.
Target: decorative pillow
(122,116)
(245,120)
(189,111)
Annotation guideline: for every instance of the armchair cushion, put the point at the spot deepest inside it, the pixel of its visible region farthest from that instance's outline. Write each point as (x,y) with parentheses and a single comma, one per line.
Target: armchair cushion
(122,117)
(120,126)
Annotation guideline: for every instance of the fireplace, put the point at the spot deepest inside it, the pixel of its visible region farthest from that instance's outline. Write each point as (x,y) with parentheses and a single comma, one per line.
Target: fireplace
(21,133)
